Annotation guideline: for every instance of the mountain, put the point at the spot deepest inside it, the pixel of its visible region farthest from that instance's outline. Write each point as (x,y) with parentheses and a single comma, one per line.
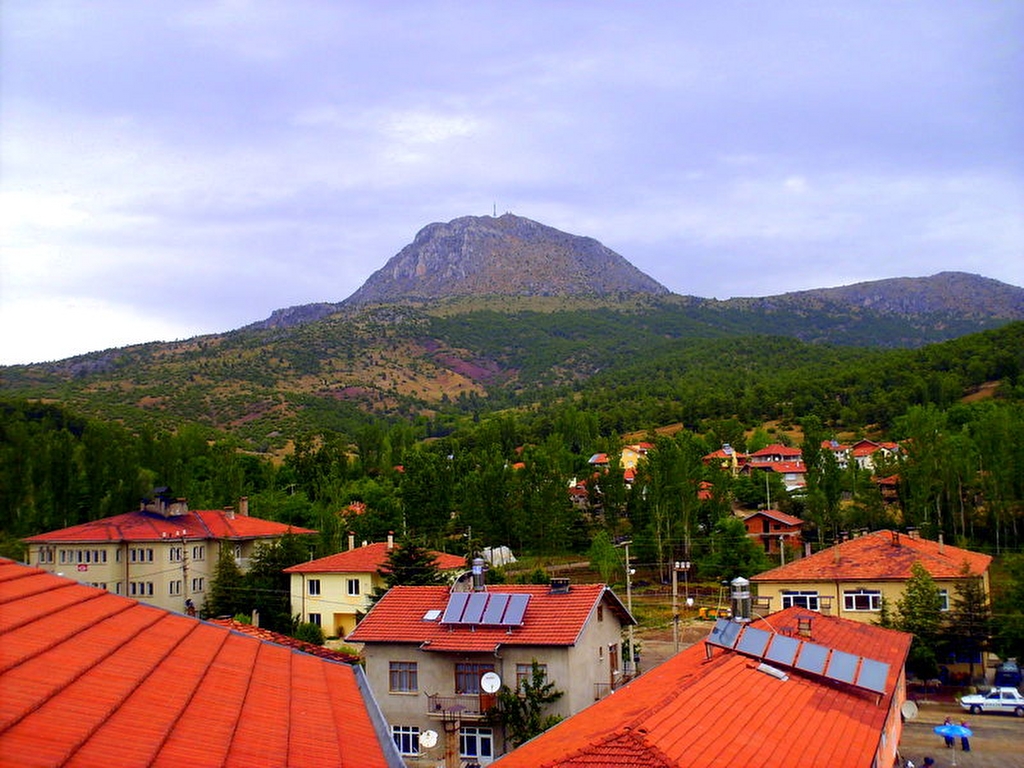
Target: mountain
(501,310)
(501,256)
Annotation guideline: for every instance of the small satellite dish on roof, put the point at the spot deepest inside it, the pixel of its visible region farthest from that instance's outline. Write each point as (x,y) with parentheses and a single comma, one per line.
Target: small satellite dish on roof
(490,682)
(428,739)
(909,710)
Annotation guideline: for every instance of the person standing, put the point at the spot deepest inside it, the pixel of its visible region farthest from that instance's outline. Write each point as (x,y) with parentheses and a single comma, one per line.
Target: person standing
(965,743)
(950,741)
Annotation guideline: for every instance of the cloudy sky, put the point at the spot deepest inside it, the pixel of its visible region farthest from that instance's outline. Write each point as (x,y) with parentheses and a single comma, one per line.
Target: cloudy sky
(175,168)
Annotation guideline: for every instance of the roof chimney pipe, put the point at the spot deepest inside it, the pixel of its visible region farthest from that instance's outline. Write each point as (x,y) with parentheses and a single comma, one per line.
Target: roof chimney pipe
(740,599)
(478,574)
(351,540)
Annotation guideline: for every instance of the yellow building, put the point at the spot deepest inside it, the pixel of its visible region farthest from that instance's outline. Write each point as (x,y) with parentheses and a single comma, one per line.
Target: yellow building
(851,579)
(163,553)
(334,592)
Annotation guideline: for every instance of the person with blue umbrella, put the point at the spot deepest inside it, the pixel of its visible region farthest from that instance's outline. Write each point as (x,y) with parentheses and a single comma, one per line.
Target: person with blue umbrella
(956,731)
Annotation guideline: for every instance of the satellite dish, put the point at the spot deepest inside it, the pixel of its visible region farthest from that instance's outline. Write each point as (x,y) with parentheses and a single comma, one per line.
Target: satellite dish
(909,710)
(428,739)
(490,682)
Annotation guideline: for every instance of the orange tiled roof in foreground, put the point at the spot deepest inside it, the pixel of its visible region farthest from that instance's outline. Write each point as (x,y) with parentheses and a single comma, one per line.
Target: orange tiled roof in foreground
(367,559)
(704,713)
(143,525)
(550,619)
(291,642)
(879,556)
(89,678)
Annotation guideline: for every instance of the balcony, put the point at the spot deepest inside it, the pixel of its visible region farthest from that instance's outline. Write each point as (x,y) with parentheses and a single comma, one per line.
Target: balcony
(604,689)
(465,706)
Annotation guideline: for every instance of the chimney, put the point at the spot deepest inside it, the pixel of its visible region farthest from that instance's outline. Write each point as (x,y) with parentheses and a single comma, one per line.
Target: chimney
(807,549)
(942,545)
(740,599)
(351,540)
(478,574)
(229,513)
(803,626)
(391,540)
(913,533)
(243,506)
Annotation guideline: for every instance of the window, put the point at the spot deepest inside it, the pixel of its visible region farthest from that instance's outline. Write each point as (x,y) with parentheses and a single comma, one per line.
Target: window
(174,588)
(177,554)
(475,742)
(314,618)
(403,677)
(45,555)
(524,674)
(600,613)
(140,589)
(314,587)
(944,599)
(197,584)
(862,600)
(407,738)
(238,551)
(199,552)
(467,677)
(800,599)
(140,555)
(353,587)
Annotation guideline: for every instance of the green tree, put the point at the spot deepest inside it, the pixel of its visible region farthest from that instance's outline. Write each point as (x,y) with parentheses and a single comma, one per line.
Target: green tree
(228,594)
(967,625)
(1009,606)
(919,612)
(522,711)
(731,552)
(604,557)
(408,564)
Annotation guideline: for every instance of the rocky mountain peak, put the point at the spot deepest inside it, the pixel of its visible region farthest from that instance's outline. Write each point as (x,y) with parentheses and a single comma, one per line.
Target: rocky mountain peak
(501,256)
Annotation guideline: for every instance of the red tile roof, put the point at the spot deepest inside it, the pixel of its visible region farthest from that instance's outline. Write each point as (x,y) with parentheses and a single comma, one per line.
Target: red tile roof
(775,449)
(550,618)
(879,556)
(367,559)
(140,525)
(776,515)
(703,713)
(90,678)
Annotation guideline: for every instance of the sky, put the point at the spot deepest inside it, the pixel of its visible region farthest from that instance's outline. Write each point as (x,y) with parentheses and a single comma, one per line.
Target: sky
(172,169)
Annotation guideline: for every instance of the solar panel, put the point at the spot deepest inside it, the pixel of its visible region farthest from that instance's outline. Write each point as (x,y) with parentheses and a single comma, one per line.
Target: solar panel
(873,675)
(516,610)
(753,641)
(495,609)
(724,633)
(783,650)
(456,605)
(842,666)
(475,608)
(812,658)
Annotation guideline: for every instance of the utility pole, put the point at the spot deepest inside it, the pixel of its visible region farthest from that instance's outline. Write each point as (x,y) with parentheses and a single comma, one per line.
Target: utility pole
(677,566)
(630,665)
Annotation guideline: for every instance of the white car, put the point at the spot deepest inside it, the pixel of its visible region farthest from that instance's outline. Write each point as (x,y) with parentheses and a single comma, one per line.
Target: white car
(997,700)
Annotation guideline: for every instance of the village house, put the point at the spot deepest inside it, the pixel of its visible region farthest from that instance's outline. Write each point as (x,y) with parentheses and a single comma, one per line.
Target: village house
(775,531)
(436,657)
(788,690)
(334,592)
(93,679)
(852,578)
(162,553)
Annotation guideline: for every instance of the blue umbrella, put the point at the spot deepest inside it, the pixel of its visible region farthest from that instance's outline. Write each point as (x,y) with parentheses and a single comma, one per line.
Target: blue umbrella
(955,731)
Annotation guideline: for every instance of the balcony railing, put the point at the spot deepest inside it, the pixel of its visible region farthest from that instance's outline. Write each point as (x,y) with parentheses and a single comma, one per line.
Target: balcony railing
(603,689)
(465,706)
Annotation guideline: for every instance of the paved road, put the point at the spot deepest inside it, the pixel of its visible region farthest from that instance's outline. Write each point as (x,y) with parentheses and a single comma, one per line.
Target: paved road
(998,740)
